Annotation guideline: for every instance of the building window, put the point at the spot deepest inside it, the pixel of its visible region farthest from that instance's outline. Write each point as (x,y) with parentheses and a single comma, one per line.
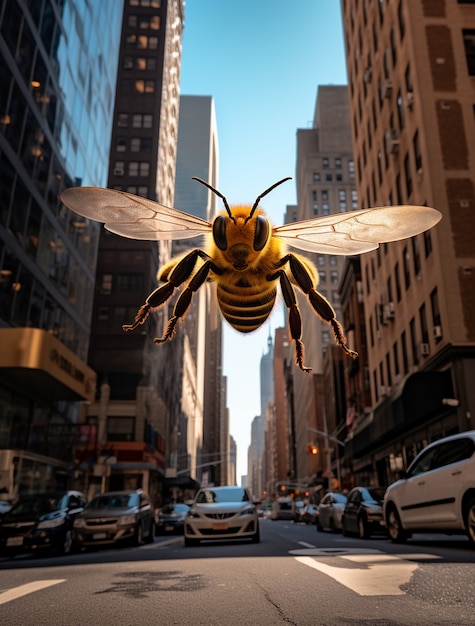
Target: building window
(120,428)
(146,63)
(139,168)
(412,328)
(416,254)
(106,284)
(351,169)
(138,190)
(314,195)
(141,144)
(469,43)
(315,209)
(405,360)
(142,120)
(325,208)
(324,194)
(427,243)
(334,277)
(423,322)
(145,86)
(338,163)
(405,263)
(128,63)
(316,177)
(325,163)
(398,282)
(129,282)
(417,151)
(408,175)
(434,301)
(123,120)
(121,144)
(119,168)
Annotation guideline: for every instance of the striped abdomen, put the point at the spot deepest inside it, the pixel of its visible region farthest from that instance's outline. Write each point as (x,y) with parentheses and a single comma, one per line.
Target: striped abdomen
(245,306)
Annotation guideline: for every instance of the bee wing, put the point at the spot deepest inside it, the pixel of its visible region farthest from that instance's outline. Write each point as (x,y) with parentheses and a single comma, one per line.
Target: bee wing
(359,231)
(132,216)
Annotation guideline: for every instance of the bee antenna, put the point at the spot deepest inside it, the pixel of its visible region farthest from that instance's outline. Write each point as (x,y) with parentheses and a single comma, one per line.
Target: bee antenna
(259,198)
(218,193)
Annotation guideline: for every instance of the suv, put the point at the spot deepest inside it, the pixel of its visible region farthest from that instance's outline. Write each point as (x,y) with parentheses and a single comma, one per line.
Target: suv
(437,492)
(116,517)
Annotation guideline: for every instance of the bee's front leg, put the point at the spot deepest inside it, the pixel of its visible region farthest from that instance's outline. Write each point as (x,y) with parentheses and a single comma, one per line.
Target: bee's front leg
(181,272)
(184,300)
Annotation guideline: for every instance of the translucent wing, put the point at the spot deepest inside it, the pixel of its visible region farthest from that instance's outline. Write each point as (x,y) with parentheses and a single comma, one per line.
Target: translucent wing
(132,216)
(360,231)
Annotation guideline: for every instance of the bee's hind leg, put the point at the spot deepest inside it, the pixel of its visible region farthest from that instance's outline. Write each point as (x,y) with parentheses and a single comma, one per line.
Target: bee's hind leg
(320,305)
(295,320)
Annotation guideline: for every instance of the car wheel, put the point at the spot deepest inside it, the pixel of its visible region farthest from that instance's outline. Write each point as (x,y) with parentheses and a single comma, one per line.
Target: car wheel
(67,545)
(394,526)
(191,542)
(332,525)
(363,532)
(138,539)
(319,526)
(151,532)
(344,529)
(470,520)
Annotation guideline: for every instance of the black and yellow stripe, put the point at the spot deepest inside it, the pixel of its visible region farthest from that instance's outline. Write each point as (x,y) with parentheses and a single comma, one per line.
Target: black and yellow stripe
(246,307)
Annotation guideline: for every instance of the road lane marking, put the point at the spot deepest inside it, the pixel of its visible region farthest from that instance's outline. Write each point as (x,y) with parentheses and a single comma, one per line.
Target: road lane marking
(369,572)
(23,590)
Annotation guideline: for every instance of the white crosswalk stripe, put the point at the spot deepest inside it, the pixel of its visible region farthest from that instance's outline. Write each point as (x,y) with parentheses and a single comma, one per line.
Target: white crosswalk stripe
(23,590)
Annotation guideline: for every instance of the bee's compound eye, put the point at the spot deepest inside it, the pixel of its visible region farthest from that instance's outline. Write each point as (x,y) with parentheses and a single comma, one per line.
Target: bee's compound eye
(262,233)
(219,232)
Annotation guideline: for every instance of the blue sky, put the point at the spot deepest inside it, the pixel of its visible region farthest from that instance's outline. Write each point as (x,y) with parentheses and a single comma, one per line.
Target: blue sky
(262,61)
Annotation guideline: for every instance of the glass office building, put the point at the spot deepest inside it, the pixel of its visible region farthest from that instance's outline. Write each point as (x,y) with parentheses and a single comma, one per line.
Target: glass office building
(58,67)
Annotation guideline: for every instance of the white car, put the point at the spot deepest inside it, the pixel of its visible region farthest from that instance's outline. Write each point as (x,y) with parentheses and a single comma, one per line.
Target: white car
(222,513)
(437,493)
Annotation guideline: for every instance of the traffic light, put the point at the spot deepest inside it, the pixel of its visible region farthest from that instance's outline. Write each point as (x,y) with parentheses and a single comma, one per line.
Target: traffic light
(312,449)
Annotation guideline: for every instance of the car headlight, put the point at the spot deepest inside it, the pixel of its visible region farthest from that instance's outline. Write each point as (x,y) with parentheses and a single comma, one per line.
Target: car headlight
(126,520)
(248,511)
(79,522)
(51,523)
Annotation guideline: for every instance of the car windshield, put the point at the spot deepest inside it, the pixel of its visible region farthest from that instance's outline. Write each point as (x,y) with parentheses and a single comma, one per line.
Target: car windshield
(377,493)
(233,494)
(114,501)
(39,504)
(174,508)
(340,498)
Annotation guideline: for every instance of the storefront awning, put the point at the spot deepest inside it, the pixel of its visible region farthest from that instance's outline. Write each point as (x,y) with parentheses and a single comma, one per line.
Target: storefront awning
(38,363)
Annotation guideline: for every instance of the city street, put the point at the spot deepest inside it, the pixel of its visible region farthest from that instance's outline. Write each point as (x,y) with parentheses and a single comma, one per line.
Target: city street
(296,575)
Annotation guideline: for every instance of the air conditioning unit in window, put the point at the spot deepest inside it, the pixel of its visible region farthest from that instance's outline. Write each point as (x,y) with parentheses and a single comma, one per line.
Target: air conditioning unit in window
(437,332)
(118,171)
(391,140)
(424,349)
(387,88)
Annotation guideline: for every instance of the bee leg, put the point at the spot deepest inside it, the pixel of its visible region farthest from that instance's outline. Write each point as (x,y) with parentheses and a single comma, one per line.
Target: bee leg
(184,300)
(320,305)
(295,320)
(159,296)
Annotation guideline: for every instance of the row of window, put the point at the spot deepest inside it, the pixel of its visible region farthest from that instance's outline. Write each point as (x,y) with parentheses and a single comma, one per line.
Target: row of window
(408,350)
(135,120)
(132,169)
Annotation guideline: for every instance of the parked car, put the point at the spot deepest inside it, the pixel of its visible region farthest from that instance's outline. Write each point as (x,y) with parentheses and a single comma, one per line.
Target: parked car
(330,511)
(222,513)
(116,517)
(283,508)
(41,521)
(363,513)
(437,492)
(171,518)
(309,514)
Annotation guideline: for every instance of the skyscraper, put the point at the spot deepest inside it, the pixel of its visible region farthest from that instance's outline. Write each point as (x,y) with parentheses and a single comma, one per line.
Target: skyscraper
(137,405)
(410,71)
(57,77)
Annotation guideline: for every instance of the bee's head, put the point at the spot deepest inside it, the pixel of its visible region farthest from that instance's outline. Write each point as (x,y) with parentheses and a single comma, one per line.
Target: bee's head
(241,233)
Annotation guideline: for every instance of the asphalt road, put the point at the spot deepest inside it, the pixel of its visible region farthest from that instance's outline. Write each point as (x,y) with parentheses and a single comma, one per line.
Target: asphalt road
(295,576)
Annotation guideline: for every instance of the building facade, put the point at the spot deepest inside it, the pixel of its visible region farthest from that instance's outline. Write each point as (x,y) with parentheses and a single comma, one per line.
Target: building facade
(325,186)
(138,405)
(412,92)
(57,77)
